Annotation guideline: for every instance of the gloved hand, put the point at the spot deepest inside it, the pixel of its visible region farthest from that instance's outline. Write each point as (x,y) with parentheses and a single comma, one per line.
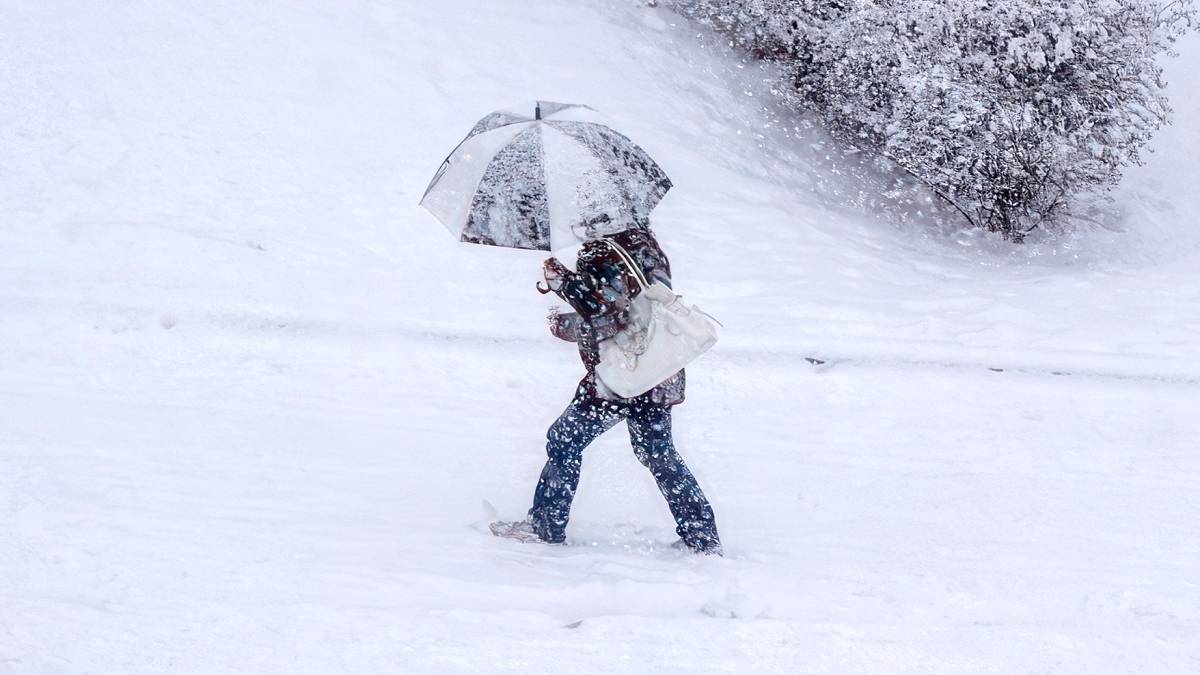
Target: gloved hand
(555,273)
(563,326)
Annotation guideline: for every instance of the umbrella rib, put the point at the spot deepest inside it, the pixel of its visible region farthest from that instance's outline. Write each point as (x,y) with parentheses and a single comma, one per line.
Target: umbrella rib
(438,175)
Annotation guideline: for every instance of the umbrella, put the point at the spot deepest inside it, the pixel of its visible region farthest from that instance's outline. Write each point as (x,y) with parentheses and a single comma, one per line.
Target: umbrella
(523,177)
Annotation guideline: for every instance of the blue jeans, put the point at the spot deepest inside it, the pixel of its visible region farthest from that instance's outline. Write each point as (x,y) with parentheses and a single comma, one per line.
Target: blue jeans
(650,433)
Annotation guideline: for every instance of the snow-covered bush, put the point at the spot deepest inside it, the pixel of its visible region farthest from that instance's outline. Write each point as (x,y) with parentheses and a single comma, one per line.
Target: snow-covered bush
(1008,109)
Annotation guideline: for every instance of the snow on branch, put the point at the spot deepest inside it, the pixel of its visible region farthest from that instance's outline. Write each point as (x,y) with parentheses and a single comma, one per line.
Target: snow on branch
(1007,109)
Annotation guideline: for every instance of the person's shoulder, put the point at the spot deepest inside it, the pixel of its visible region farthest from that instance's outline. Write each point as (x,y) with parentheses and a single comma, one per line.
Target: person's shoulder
(635,236)
(593,248)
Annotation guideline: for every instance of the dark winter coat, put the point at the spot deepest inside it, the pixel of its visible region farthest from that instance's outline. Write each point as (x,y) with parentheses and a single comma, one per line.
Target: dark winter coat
(600,291)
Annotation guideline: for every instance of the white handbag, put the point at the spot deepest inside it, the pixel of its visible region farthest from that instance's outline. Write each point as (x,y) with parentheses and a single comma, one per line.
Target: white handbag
(664,335)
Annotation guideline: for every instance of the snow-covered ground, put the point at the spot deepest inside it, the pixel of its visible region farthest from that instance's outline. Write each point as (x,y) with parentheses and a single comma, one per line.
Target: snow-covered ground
(254,398)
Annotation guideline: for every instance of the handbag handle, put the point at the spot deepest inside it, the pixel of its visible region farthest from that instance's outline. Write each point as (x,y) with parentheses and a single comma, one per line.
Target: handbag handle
(629,262)
(637,272)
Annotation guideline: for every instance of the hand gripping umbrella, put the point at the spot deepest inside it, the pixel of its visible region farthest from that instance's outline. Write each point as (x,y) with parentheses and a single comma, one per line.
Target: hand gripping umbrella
(524,177)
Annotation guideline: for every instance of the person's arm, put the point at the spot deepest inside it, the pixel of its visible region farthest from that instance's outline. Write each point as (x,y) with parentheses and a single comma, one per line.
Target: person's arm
(565,326)
(597,310)
(598,292)
(600,289)
(572,287)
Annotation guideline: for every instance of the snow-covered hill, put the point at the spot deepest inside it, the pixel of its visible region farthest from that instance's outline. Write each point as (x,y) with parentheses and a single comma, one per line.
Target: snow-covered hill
(254,397)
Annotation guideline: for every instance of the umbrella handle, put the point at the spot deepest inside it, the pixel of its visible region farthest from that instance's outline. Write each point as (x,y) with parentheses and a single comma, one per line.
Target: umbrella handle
(541,289)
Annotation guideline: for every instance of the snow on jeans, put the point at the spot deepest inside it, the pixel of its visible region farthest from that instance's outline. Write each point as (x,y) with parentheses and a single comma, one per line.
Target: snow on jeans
(650,433)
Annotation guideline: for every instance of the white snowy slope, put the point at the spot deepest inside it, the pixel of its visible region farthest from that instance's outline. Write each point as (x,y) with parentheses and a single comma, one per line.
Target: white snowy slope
(252,398)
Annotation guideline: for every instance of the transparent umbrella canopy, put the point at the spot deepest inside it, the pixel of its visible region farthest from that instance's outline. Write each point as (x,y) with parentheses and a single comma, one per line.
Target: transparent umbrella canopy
(523,177)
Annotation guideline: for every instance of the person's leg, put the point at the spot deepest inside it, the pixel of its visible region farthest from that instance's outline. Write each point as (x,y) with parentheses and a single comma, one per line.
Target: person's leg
(579,425)
(650,434)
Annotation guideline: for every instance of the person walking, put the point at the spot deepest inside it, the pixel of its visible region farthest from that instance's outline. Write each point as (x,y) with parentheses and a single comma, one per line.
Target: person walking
(600,291)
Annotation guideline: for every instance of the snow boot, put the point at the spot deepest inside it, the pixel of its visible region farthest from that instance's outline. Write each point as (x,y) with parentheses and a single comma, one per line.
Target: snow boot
(708,549)
(521,530)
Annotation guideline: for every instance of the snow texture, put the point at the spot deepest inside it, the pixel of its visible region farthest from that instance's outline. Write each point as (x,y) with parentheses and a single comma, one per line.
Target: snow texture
(254,396)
